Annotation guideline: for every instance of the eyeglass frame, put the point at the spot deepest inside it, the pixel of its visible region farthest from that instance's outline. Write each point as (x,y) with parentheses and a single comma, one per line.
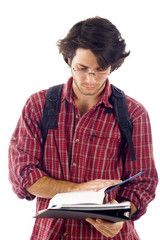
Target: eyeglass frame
(89,73)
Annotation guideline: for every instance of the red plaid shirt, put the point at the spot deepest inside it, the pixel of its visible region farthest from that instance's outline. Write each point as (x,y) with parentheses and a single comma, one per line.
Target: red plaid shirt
(81,149)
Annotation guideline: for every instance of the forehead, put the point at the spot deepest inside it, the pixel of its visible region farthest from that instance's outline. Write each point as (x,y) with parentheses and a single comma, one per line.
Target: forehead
(86,58)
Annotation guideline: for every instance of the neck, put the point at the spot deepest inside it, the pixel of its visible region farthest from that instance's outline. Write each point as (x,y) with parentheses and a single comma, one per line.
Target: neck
(85,105)
(84,98)
(85,102)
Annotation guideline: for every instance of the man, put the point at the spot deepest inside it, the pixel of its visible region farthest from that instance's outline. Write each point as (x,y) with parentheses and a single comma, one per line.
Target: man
(84,151)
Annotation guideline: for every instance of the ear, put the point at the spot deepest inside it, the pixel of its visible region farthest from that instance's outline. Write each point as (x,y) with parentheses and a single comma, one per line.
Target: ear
(109,70)
(69,61)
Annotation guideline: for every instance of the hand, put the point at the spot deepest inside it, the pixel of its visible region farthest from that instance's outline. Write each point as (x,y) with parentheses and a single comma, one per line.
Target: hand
(108,229)
(95,185)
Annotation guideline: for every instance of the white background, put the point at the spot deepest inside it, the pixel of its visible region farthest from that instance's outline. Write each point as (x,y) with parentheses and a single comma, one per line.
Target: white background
(29,62)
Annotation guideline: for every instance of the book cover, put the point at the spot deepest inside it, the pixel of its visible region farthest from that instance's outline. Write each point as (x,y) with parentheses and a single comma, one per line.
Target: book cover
(109,212)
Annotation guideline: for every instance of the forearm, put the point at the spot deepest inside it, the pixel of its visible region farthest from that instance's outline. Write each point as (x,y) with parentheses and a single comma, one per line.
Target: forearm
(47,187)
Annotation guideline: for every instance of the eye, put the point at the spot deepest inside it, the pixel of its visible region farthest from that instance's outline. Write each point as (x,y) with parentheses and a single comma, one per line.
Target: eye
(82,68)
(100,69)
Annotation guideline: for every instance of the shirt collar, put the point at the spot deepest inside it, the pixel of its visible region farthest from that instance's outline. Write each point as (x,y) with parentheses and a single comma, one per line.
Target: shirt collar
(67,91)
(104,98)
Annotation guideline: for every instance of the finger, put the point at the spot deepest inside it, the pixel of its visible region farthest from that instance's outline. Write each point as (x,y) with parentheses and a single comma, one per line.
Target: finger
(91,221)
(113,201)
(97,224)
(101,184)
(108,229)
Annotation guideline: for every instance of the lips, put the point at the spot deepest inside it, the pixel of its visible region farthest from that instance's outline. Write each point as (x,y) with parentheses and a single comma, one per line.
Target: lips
(90,87)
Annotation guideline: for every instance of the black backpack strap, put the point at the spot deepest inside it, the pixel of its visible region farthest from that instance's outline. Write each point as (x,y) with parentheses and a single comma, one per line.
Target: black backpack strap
(50,109)
(118,100)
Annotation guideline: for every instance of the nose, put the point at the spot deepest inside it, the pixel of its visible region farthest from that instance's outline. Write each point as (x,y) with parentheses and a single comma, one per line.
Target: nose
(91,78)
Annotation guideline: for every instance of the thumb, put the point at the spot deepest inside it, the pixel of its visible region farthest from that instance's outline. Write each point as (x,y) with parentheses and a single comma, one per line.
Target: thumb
(106,199)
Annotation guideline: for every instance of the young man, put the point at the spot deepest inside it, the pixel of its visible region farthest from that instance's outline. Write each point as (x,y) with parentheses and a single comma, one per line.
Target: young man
(84,151)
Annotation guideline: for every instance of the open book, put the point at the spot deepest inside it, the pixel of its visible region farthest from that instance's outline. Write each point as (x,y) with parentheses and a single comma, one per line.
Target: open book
(80,205)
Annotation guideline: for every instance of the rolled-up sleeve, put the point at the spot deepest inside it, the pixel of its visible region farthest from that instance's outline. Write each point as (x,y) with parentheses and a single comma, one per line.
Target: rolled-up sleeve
(141,190)
(25,150)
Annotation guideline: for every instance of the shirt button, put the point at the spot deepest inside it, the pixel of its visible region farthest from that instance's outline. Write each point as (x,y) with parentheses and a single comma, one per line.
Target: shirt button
(14,139)
(77,116)
(65,234)
(74,164)
(77,140)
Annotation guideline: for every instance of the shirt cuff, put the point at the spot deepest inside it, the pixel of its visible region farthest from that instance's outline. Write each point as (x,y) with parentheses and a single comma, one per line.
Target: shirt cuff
(31,178)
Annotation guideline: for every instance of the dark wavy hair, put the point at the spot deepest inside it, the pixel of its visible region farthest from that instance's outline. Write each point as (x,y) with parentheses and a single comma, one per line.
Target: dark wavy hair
(101,37)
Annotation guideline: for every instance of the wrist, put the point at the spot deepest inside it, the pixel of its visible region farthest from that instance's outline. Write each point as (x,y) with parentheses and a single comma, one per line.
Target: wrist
(133,209)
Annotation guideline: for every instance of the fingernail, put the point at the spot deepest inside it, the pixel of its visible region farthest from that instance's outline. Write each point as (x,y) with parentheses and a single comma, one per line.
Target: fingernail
(88,220)
(98,220)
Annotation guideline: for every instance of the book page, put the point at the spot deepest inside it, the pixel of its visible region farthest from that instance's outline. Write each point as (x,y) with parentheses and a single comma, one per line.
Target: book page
(86,197)
(92,207)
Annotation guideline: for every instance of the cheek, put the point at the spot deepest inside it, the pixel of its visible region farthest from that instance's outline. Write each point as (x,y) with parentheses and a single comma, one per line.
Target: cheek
(78,82)
(102,84)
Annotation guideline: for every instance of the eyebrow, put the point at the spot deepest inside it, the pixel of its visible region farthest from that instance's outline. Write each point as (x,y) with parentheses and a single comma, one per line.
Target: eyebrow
(98,68)
(82,65)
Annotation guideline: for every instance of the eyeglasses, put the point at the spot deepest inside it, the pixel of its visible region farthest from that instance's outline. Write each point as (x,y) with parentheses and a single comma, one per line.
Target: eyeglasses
(83,73)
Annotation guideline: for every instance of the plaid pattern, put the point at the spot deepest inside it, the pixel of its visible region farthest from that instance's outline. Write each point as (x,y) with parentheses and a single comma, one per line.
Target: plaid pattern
(81,149)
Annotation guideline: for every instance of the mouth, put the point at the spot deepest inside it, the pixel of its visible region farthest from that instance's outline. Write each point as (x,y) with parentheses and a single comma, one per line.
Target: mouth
(90,87)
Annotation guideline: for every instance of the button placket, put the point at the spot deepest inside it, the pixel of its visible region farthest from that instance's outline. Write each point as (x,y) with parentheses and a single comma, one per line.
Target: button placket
(77,116)
(74,163)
